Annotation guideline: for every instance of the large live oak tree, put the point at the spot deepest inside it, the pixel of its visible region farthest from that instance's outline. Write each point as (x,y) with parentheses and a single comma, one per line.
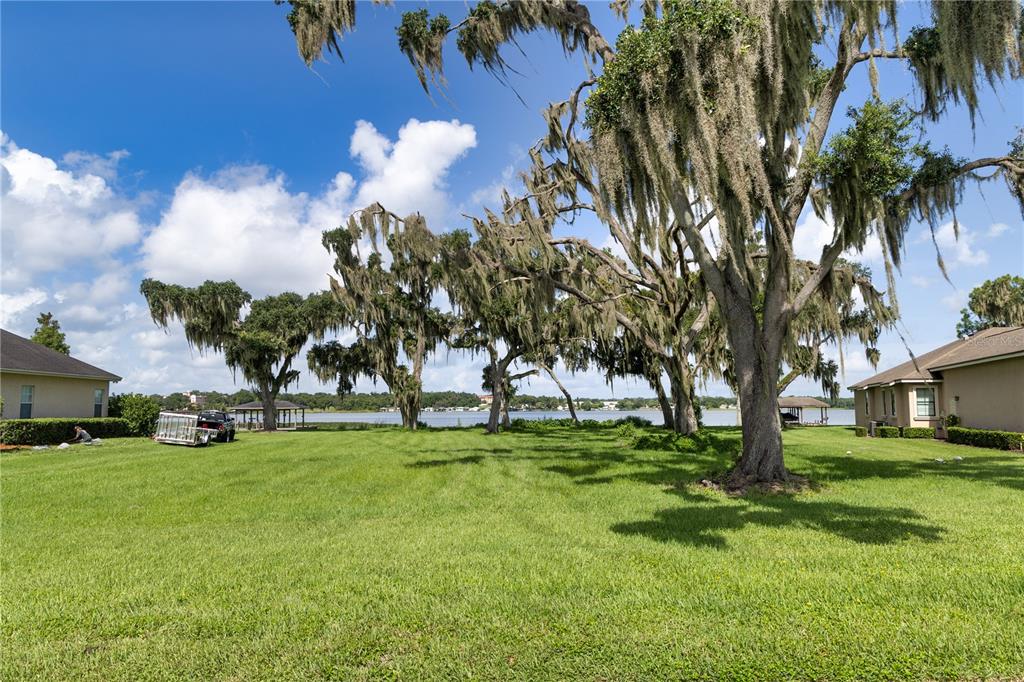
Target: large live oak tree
(262,344)
(389,291)
(718,114)
(997,302)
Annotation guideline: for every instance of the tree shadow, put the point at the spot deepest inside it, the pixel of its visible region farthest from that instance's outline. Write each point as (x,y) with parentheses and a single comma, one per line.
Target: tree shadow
(673,465)
(704,524)
(992,469)
(432,463)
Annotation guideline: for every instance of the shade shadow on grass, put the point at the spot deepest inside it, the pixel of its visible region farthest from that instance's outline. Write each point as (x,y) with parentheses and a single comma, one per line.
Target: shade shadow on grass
(992,469)
(704,525)
(431,463)
(674,464)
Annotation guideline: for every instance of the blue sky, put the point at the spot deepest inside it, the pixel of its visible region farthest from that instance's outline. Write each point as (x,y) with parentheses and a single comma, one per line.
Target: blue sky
(188,141)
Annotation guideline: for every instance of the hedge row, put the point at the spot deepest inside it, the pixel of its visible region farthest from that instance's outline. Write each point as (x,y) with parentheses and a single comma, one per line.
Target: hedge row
(981,438)
(51,431)
(860,431)
(898,431)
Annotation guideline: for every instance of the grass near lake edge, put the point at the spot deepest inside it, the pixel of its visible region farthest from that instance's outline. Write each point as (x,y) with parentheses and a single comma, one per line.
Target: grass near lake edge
(550,554)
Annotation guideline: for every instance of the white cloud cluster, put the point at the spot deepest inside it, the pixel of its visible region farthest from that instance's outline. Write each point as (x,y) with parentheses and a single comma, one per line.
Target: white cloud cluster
(244,224)
(957,251)
(813,234)
(408,175)
(74,245)
(997,230)
(14,307)
(54,217)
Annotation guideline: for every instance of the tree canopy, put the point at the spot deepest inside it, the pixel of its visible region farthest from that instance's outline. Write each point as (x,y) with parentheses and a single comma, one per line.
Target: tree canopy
(700,138)
(262,345)
(997,302)
(389,295)
(49,334)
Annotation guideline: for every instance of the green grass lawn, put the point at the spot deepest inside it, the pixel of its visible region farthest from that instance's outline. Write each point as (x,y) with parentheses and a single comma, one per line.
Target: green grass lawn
(557,554)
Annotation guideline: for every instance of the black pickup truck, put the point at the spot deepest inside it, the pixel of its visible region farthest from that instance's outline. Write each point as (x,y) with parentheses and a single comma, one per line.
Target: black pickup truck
(223,422)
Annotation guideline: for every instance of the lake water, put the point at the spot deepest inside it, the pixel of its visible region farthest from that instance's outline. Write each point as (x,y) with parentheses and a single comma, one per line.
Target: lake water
(836,417)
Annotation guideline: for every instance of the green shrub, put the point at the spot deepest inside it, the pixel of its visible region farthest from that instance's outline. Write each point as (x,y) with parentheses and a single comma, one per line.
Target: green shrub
(952,420)
(918,432)
(982,438)
(628,432)
(51,431)
(665,440)
(887,431)
(520,424)
(860,431)
(634,420)
(141,412)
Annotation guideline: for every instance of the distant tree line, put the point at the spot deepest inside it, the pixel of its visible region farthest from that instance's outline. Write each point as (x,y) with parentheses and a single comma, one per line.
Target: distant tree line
(373,402)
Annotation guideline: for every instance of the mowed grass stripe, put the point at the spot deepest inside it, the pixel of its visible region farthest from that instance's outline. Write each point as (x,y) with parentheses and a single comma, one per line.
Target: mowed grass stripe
(552,554)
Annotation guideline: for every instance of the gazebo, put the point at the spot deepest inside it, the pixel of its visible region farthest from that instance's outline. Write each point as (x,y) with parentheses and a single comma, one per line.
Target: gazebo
(250,415)
(793,407)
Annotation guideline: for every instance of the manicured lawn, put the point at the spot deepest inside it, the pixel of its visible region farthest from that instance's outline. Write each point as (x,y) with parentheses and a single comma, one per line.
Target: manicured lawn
(547,555)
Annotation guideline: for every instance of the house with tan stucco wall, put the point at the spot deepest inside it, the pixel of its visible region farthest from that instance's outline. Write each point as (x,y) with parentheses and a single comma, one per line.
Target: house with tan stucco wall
(979,379)
(36,381)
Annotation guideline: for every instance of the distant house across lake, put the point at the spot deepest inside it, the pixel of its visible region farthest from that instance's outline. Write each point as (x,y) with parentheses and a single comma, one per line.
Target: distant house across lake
(979,379)
(36,381)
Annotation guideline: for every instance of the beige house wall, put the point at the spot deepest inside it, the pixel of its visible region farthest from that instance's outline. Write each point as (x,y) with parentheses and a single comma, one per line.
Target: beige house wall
(880,407)
(991,394)
(53,396)
(912,419)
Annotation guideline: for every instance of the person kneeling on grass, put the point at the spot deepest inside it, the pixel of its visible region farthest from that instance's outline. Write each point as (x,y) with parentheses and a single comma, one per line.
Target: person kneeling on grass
(81,436)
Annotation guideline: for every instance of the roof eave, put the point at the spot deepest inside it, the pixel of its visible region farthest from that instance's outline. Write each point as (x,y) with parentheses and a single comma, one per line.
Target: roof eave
(100,377)
(979,361)
(881,384)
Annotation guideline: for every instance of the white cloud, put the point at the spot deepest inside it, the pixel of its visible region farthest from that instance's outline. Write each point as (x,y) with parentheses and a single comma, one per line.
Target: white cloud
(13,306)
(244,224)
(813,234)
(997,229)
(241,224)
(53,217)
(490,196)
(955,301)
(93,164)
(408,175)
(956,252)
(921,282)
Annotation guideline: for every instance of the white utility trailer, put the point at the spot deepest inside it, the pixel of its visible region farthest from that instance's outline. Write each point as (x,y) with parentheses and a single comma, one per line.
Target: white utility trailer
(182,429)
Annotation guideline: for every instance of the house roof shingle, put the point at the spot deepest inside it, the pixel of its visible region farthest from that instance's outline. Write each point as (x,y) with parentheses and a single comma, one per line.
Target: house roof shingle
(985,346)
(18,354)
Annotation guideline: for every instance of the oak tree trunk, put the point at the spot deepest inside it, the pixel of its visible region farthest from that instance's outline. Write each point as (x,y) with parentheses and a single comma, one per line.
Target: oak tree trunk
(666,405)
(506,423)
(756,360)
(268,397)
(497,391)
(684,420)
(565,392)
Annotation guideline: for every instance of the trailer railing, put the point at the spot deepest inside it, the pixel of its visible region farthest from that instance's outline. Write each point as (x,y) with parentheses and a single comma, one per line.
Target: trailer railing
(182,429)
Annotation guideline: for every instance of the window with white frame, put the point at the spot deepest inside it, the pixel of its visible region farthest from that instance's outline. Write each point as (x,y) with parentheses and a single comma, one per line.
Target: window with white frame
(867,405)
(885,403)
(925,402)
(892,402)
(27,398)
